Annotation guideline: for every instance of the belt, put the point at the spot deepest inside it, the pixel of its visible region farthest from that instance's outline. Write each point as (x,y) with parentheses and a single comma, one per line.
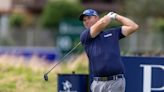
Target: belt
(114,77)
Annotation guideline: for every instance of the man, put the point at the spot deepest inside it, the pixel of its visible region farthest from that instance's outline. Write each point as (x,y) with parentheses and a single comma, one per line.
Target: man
(102,48)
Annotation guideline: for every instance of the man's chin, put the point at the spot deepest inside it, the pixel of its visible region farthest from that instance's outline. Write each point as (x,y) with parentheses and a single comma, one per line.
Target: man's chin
(87,27)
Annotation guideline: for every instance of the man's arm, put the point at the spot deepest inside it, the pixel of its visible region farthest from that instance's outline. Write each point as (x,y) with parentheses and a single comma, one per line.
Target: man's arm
(99,26)
(128,26)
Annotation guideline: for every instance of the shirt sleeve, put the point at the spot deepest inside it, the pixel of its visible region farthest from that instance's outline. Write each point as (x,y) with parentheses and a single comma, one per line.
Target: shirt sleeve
(120,34)
(85,36)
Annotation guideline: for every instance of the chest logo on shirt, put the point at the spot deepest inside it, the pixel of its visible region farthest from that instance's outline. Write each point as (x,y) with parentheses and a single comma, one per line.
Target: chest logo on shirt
(107,35)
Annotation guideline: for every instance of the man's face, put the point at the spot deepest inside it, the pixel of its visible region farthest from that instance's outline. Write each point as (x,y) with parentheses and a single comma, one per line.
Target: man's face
(88,21)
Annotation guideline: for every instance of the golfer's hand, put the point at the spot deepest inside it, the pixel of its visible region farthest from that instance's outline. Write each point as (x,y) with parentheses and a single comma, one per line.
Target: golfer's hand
(112,15)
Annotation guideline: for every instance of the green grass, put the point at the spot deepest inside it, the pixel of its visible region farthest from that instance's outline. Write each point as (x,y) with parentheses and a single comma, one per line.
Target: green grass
(27,79)
(24,79)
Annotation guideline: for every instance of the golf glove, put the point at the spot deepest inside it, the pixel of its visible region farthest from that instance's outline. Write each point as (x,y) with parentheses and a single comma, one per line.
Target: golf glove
(112,15)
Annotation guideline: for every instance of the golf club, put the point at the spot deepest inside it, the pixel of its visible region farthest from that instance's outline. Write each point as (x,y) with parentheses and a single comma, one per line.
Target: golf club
(60,61)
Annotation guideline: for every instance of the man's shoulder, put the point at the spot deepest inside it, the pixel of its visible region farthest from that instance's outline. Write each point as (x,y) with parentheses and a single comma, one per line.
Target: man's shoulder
(85,35)
(85,32)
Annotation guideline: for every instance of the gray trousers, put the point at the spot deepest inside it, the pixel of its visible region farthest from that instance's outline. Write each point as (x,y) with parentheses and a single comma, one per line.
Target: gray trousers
(117,85)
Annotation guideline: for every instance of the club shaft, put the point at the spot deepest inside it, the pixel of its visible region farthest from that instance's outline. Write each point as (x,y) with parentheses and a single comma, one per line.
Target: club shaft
(60,61)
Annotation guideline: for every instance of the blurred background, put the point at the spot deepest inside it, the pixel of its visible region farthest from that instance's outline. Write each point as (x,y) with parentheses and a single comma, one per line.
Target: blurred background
(54,23)
(36,33)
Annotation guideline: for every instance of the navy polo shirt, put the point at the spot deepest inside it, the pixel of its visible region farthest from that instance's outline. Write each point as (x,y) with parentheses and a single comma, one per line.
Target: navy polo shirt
(103,52)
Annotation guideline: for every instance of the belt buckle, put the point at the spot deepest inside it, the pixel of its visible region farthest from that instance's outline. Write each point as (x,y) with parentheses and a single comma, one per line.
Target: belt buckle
(104,78)
(115,77)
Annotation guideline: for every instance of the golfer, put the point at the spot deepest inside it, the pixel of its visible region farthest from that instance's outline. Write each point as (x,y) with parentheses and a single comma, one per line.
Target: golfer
(103,51)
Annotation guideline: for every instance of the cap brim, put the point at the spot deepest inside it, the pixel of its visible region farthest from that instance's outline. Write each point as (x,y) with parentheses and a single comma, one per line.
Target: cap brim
(82,16)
